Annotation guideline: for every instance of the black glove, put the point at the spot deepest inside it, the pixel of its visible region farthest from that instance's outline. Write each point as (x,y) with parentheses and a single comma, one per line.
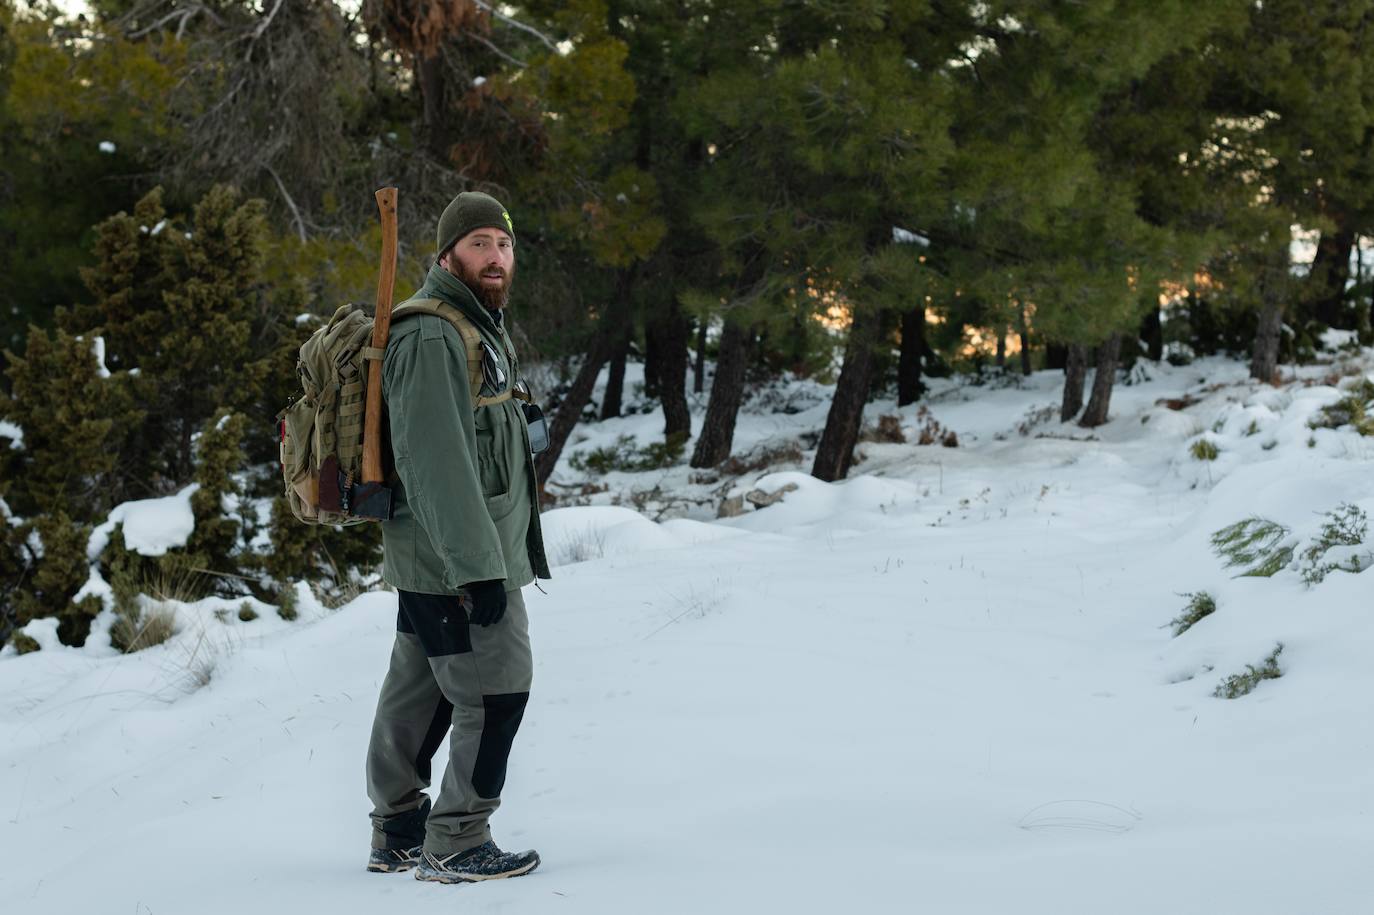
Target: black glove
(488,601)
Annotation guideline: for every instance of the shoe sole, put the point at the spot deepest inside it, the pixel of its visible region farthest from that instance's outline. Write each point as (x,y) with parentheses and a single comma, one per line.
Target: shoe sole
(390,868)
(438,877)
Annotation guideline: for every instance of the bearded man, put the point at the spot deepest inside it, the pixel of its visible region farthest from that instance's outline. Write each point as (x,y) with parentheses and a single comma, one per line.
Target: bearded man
(464,539)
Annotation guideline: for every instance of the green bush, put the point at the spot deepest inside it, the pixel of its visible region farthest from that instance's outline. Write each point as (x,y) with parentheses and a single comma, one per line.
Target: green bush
(1200,605)
(318,553)
(625,456)
(1242,684)
(1256,544)
(1345,525)
(25,643)
(286,603)
(1204,449)
(1354,409)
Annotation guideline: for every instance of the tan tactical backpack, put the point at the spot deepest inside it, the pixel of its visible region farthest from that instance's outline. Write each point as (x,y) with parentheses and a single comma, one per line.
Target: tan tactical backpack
(321,430)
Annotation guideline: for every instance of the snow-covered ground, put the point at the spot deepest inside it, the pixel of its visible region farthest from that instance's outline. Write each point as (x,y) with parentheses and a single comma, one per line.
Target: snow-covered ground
(946,685)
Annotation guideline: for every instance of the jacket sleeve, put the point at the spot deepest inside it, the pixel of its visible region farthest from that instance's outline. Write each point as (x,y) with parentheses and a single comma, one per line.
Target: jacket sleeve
(434,442)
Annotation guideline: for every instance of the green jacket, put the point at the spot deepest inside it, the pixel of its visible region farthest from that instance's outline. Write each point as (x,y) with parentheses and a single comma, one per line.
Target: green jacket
(466,501)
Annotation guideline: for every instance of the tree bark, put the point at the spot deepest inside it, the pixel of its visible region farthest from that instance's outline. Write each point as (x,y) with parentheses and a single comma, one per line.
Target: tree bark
(1264,361)
(652,362)
(429,72)
(671,332)
(1001,348)
(1075,370)
(835,453)
(1024,333)
(699,368)
(1328,278)
(615,379)
(1152,332)
(727,391)
(608,334)
(1108,354)
(909,386)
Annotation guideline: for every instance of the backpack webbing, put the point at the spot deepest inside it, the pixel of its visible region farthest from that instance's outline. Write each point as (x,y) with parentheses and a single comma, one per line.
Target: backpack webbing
(472,345)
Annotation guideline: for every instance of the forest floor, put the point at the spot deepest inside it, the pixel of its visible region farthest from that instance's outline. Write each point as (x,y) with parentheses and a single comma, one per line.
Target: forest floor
(948,684)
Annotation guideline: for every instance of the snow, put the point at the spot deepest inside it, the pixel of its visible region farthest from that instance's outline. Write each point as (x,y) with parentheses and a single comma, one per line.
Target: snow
(12,432)
(479,80)
(98,351)
(907,237)
(107,147)
(151,526)
(945,685)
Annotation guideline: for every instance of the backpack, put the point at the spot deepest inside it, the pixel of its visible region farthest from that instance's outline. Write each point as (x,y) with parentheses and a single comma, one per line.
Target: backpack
(321,430)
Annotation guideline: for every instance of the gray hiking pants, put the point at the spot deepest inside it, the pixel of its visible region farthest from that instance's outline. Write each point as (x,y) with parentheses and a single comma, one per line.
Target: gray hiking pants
(445,673)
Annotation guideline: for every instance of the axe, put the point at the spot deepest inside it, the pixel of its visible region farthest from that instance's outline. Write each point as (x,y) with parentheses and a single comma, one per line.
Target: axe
(370,498)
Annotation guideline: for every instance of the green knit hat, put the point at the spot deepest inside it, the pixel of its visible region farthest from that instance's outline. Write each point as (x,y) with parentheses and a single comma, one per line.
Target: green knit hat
(471,210)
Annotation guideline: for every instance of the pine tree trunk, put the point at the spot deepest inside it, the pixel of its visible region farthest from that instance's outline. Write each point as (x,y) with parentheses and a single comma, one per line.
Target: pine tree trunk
(1107,356)
(1056,356)
(671,333)
(652,362)
(1328,278)
(1264,362)
(608,335)
(835,452)
(1001,348)
(909,386)
(430,73)
(727,392)
(1152,332)
(699,368)
(1023,331)
(615,380)
(1075,370)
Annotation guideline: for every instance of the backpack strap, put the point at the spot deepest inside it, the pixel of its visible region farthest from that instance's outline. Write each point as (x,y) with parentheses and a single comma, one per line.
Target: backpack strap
(472,343)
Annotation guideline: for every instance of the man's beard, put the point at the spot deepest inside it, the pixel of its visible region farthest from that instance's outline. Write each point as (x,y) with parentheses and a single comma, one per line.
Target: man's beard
(494,298)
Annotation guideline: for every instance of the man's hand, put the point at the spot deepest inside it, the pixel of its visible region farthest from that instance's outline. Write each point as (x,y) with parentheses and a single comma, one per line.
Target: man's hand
(488,601)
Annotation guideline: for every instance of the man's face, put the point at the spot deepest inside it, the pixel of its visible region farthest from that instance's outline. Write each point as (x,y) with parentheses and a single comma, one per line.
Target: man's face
(484,259)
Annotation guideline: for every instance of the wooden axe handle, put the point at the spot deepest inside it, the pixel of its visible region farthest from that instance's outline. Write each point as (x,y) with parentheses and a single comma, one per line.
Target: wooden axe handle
(381,330)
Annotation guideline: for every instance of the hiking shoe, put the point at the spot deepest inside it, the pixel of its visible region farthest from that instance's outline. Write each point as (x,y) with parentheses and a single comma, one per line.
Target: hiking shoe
(485,862)
(393,860)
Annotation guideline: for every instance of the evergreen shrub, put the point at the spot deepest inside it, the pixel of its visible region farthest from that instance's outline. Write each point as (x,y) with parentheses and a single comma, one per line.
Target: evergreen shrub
(1204,449)
(1355,409)
(1256,544)
(1346,525)
(1200,606)
(1242,684)
(627,457)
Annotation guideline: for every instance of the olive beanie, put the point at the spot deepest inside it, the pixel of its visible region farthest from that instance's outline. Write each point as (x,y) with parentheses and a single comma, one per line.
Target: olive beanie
(471,210)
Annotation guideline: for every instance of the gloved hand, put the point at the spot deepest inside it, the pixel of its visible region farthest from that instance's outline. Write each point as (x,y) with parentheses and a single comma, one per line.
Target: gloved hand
(488,601)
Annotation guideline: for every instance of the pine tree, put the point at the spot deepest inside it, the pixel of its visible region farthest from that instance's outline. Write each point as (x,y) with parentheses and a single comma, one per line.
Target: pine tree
(81,114)
(831,129)
(183,304)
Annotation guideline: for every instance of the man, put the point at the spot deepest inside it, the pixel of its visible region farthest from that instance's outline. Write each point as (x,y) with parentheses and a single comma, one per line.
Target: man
(464,539)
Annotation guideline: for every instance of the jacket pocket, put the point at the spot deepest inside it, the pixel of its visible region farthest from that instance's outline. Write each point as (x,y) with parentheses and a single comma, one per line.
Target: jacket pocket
(492,466)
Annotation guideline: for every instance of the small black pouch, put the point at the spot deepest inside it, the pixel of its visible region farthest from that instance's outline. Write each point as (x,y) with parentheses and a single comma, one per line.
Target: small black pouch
(539,427)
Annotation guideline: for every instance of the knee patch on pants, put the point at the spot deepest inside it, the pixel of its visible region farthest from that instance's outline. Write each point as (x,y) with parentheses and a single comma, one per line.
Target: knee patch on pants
(503,713)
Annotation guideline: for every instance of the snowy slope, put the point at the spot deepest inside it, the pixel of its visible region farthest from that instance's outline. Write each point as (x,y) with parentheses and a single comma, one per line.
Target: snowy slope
(947,685)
